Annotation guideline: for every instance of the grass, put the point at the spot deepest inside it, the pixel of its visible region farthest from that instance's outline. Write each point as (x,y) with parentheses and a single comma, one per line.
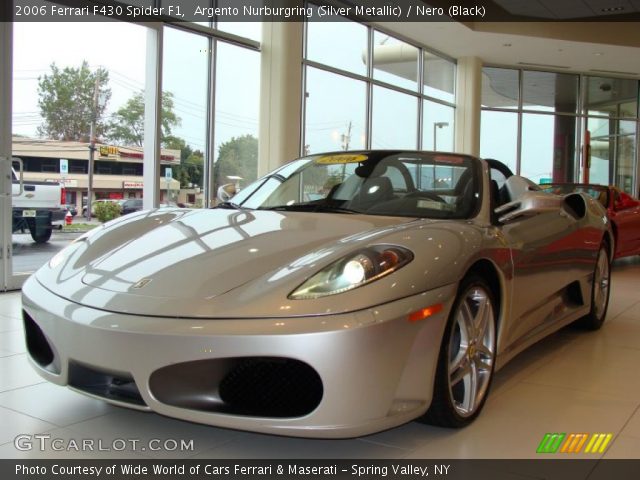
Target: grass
(79,227)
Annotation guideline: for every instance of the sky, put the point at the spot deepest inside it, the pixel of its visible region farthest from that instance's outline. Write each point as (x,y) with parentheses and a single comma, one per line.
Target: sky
(121,49)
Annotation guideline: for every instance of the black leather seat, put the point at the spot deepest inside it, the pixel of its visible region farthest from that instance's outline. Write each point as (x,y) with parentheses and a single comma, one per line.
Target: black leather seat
(372,192)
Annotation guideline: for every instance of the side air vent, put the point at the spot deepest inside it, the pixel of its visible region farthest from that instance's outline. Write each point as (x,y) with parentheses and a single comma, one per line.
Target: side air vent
(575,205)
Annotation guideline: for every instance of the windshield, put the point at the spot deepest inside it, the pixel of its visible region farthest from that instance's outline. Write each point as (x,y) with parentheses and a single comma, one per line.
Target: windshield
(410,184)
(597,192)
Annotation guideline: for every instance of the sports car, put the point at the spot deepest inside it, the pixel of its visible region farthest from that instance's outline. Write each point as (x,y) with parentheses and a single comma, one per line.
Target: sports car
(340,295)
(623,211)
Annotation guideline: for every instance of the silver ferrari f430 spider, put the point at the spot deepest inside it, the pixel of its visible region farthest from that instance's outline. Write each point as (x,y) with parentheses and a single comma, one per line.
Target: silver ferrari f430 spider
(342,294)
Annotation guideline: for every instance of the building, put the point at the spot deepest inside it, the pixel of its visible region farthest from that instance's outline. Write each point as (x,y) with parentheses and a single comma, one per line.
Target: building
(118,171)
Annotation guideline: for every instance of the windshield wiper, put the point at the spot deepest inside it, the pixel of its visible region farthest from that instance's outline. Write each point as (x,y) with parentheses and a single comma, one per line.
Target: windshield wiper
(229,205)
(310,207)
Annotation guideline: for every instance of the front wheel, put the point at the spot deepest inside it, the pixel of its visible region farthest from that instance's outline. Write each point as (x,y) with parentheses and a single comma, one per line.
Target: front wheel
(467,357)
(600,291)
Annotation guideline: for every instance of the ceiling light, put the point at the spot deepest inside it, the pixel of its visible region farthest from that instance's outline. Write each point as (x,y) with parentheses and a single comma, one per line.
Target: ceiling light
(544,65)
(619,8)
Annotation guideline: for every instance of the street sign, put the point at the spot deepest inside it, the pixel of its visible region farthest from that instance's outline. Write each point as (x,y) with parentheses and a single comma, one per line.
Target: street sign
(64,166)
(168,174)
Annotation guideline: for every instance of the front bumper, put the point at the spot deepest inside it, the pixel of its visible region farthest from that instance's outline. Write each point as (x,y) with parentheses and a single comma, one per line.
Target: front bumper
(375,367)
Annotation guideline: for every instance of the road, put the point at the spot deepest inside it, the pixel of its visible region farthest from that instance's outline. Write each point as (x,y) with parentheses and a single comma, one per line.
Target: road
(28,256)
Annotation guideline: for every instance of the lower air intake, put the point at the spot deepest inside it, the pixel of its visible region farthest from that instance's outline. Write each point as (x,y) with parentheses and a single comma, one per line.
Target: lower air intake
(271,387)
(251,386)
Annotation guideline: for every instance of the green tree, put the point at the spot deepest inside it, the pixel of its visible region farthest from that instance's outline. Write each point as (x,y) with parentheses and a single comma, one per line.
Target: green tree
(238,156)
(191,165)
(66,101)
(127,126)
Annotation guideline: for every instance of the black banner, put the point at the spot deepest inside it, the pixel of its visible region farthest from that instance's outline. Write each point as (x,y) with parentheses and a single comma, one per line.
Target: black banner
(569,469)
(277,11)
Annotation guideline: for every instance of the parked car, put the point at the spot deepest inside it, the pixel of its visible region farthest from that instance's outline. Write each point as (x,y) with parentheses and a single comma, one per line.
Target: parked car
(623,211)
(38,207)
(130,205)
(396,296)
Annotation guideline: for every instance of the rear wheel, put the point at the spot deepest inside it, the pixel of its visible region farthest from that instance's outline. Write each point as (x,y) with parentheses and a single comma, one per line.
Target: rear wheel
(40,234)
(600,291)
(40,230)
(467,357)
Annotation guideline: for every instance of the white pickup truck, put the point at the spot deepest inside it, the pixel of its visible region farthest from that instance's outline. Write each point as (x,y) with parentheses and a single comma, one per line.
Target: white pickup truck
(37,207)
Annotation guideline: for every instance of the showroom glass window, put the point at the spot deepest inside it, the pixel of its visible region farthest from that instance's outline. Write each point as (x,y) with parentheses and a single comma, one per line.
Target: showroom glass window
(611,106)
(236,115)
(394,120)
(185,52)
(54,83)
(365,88)
(536,122)
(220,89)
(394,61)
(216,86)
(499,120)
(341,127)
(528,121)
(548,147)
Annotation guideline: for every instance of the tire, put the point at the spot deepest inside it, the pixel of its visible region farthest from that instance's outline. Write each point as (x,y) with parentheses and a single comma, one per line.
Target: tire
(467,357)
(600,291)
(39,233)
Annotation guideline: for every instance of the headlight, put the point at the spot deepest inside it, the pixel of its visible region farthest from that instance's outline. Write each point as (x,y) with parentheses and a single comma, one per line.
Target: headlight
(353,270)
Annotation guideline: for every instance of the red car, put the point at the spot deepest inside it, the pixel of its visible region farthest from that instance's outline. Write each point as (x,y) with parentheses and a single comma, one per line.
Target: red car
(623,211)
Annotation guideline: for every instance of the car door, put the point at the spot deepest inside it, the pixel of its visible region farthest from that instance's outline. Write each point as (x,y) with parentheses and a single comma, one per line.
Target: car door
(546,250)
(626,218)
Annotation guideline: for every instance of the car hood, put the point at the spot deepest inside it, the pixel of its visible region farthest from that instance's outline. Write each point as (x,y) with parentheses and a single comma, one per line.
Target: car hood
(214,263)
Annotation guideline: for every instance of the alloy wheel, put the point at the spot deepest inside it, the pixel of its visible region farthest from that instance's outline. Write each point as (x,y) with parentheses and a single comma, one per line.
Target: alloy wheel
(471,351)
(601,284)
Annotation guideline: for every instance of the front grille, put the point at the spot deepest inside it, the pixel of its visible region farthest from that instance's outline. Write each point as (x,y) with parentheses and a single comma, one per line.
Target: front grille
(108,385)
(37,344)
(271,387)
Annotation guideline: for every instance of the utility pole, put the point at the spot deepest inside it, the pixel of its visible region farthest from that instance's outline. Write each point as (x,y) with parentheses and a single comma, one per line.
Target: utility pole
(92,143)
(346,138)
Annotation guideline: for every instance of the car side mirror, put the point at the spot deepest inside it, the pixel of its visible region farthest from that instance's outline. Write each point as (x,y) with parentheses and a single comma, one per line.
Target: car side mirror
(226,191)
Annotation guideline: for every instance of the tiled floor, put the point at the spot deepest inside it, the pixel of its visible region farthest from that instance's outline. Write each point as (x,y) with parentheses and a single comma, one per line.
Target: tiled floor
(574,381)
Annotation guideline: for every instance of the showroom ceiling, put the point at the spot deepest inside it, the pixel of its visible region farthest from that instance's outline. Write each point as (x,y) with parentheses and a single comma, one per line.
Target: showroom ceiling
(569,9)
(606,48)
(598,37)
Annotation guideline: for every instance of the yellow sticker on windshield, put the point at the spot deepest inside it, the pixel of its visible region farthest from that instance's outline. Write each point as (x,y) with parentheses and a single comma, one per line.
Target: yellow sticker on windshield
(341,158)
